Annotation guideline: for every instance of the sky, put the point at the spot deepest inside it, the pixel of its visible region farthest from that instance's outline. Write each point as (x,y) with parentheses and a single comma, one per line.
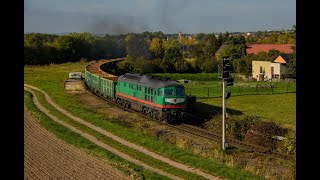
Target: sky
(168,16)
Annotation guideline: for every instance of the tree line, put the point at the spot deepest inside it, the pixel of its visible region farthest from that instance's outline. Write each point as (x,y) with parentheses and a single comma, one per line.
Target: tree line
(41,49)
(149,52)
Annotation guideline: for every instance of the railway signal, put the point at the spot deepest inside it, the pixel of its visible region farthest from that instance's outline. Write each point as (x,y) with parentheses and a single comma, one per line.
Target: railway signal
(225,67)
(226,81)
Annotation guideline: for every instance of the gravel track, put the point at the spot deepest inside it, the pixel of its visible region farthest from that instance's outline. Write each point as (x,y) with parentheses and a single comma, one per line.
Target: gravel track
(48,157)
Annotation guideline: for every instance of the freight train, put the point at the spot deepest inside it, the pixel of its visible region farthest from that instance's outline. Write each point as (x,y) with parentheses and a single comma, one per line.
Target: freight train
(156,97)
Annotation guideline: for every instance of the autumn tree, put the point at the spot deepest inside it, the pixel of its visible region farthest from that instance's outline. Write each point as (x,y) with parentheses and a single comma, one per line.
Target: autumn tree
(157,48)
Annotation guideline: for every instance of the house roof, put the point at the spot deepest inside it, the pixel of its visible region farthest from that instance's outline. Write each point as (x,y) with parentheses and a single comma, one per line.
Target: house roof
(282,58)
(256,48)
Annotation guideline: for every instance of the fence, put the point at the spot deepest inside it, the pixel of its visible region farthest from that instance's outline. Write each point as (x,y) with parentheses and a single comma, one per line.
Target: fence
(214,89)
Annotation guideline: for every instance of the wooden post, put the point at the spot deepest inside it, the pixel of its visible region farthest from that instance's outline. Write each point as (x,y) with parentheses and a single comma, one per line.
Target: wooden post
(257,88)
(287,85)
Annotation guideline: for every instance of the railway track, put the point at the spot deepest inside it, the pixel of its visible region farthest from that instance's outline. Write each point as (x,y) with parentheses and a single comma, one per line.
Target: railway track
(194,130)
(236,143)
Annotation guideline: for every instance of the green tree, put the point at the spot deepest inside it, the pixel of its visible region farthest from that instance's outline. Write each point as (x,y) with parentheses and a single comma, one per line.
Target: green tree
(233,51)
(38,49)
(67,48)
(211,46)
(210,65)
(167,66)
(137,47)
(173,54)
(292,64)
(182,66)
(126,65)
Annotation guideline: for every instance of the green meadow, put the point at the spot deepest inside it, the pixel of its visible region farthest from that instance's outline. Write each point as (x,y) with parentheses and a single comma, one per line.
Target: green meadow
(51,79)
(278,106)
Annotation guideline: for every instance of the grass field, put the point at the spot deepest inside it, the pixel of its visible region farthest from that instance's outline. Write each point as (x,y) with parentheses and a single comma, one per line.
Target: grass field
(280,108)
(51,79)
(276,107)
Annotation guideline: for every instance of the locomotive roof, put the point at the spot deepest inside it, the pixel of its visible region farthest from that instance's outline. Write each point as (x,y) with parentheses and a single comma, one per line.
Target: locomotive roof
(148,81)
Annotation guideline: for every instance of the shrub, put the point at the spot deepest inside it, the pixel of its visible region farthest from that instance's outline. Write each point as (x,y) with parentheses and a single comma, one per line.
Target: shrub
(241,124)
(262,134)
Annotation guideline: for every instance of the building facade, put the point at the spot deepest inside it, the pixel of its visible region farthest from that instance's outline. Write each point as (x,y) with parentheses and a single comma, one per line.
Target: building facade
(266,70)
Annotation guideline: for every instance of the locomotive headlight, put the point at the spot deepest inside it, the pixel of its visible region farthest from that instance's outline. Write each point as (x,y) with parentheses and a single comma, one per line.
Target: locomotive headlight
(174,100)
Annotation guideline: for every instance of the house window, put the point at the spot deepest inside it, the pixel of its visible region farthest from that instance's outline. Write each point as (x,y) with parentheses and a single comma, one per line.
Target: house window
(260,69)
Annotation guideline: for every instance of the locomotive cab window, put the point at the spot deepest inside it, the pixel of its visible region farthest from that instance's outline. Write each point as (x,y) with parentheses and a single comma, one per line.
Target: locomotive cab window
(168,92)
(160,92)
(180,91)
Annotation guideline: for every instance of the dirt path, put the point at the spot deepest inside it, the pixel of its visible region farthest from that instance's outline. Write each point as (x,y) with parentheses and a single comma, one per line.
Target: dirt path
(48,157)
(122,141)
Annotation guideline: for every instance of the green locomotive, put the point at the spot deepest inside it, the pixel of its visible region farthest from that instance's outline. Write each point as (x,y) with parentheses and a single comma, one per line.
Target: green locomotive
(156,97)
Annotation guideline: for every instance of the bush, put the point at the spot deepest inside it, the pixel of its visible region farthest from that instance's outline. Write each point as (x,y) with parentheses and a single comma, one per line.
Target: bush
(241,124)
(262,134)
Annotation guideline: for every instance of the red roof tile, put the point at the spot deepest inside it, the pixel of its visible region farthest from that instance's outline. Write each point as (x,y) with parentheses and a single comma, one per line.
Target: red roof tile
(256,48)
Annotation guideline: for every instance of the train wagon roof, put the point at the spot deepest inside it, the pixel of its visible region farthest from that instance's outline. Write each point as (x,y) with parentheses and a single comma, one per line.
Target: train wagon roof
(148,81)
